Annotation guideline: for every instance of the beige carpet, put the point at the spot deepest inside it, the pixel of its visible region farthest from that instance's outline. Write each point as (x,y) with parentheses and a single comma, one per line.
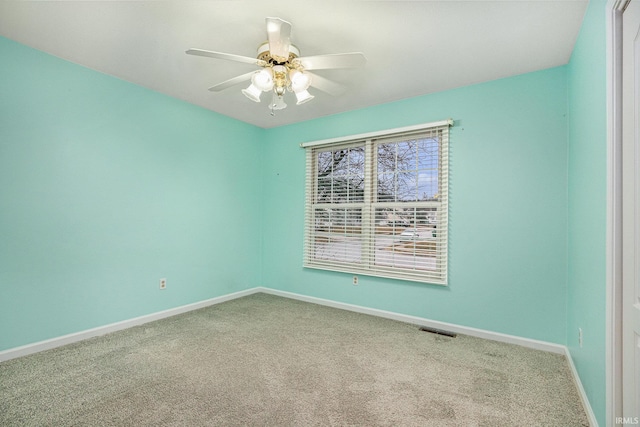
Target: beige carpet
(269,361)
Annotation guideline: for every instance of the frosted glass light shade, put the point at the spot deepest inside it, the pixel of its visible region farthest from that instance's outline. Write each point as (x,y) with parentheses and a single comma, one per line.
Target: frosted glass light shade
(299,81)
(303,96)
(263,80)
(278,103)
(252,92)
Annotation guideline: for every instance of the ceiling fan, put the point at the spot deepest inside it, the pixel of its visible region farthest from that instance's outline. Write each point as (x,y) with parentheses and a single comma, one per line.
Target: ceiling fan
(283,69)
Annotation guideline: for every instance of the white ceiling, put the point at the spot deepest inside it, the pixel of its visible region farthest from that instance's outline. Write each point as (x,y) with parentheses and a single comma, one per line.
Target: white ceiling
(412,47)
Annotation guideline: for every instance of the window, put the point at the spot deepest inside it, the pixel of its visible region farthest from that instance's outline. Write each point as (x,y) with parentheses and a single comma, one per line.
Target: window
(377,204)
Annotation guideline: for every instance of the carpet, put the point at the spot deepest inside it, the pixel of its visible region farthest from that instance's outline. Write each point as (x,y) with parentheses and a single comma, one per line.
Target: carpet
(264,360)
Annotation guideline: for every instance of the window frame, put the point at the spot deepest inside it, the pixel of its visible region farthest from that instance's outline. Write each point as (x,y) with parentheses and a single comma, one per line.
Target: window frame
(369,205)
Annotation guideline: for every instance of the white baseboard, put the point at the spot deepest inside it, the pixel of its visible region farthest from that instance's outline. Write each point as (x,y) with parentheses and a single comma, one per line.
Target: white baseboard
(480,333)
(113,327)
(118,326)
(593,422)
(421,321)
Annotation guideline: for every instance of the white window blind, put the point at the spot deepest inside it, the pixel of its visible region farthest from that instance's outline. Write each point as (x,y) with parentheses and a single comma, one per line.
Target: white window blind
(377,204)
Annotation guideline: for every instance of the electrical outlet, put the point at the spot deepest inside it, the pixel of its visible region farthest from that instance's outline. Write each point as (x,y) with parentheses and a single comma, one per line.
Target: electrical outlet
(580,337)
(163,283)
(355,280)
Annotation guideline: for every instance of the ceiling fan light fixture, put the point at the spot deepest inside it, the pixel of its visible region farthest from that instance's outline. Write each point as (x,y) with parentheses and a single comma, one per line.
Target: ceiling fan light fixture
(263,80)
(303,96)
(277,102)
(300,81)
(252,92)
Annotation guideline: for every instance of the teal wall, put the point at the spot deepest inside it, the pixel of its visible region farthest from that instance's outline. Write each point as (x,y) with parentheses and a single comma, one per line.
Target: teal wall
(106,187)
(586,295)
(508,208)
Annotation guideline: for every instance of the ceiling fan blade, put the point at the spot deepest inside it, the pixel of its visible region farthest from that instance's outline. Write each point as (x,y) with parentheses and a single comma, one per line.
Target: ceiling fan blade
(231,82)
(326,85)
(279,34)
(226,56)
(338,60)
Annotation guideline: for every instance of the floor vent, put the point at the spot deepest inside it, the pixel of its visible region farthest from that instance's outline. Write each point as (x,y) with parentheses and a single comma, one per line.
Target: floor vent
(438,331)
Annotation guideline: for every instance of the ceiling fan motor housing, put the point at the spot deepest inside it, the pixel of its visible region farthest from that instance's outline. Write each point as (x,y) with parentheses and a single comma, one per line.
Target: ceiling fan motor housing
(280,70)
(264,54)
